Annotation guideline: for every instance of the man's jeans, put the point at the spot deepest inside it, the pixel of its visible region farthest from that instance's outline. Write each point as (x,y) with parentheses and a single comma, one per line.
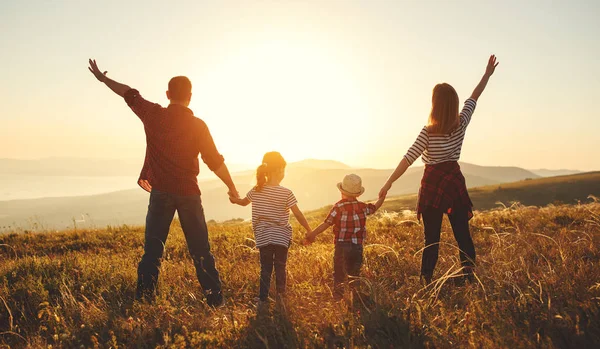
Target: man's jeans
(158,220)
(347,260)
(272,256)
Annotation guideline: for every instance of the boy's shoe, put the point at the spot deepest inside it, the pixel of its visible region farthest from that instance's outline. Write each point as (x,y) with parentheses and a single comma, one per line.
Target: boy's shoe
(144,296)
(259,300)
(281,298)
(214,299)
(262,305)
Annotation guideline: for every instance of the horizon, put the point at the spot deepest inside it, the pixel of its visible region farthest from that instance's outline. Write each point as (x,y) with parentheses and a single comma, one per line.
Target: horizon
(27,181)
(315,190)
(266,68)
(204,169)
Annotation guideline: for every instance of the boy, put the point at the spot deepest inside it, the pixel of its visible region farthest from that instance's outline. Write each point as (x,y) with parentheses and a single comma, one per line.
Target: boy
(348,217)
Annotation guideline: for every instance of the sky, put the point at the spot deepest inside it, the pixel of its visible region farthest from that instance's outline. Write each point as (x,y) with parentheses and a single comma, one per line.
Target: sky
(344,80)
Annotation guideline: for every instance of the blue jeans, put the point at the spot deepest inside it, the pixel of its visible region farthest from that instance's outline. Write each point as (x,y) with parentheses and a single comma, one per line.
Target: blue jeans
(158,220)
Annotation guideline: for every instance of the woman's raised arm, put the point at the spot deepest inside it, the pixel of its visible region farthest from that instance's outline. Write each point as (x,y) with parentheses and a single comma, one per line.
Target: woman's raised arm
(489,70)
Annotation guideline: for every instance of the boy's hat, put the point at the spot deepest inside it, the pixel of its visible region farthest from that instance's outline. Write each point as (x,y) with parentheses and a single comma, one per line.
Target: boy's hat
(351,185)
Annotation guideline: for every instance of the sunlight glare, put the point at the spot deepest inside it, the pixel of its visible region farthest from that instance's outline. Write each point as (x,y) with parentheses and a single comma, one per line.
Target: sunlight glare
(299,99)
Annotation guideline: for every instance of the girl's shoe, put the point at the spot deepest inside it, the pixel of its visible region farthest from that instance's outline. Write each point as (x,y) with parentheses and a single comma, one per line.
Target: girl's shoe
(214,299)
(426,279)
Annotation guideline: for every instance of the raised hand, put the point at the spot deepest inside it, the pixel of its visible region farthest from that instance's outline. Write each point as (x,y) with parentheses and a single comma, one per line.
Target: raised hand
(491,66)
(96,71)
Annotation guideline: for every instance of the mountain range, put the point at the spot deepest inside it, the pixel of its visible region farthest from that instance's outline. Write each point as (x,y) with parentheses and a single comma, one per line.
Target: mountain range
(312,181)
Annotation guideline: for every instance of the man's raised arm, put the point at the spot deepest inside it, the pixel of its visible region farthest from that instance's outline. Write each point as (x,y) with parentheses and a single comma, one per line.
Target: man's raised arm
(116,87)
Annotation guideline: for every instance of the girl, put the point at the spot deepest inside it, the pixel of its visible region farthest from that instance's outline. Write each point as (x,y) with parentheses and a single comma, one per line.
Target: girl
(443,188)
(271,205)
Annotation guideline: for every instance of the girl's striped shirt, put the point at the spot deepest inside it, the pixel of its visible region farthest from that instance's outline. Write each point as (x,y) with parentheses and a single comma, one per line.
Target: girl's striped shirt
(271,215)
(441,148)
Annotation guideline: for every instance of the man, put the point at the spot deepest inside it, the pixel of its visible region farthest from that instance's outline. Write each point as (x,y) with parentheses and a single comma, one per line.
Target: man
(174,138)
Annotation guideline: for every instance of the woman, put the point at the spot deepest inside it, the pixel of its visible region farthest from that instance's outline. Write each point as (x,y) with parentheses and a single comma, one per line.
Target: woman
(443,188)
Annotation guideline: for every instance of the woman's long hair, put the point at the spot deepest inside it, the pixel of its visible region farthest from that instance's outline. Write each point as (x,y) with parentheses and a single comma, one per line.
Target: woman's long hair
(272,163)
(443,118)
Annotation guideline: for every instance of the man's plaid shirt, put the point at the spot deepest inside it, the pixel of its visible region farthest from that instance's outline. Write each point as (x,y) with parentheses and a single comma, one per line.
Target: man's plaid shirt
(174,138)
(349,220)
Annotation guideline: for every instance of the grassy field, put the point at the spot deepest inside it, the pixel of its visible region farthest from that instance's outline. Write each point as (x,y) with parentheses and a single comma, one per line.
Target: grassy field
(538,285)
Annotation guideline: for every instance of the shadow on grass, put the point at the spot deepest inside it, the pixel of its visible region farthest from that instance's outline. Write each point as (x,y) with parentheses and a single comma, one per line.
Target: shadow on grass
(270,327)
(382,326)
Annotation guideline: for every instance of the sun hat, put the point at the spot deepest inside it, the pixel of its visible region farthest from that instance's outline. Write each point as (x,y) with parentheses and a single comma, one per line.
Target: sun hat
(351,185)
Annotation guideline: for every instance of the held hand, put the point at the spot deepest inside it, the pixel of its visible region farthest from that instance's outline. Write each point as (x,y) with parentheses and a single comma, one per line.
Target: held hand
(233,193)
(234,196)
(491,66)
(384,190)
(96,71)
(310,236)
(308,239)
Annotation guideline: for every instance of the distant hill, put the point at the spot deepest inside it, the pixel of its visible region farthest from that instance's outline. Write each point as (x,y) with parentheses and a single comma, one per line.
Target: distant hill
(313,187)
(498,173)
(551,173)
(318,164)
(66,166)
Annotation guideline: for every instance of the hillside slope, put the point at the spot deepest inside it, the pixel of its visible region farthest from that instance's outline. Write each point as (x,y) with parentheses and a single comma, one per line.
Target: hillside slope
(538,272)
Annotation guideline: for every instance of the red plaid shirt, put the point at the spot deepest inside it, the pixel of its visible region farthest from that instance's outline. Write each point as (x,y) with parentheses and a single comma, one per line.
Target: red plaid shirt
(349,220)
(443,187)
(174,138)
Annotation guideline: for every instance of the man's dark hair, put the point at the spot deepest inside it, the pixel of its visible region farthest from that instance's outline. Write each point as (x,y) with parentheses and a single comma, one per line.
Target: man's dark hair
(180,88)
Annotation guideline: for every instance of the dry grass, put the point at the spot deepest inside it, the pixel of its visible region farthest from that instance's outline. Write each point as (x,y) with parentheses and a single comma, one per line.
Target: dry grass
(538,285)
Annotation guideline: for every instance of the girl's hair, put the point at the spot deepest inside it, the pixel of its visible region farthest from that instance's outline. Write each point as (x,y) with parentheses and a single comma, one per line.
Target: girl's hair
(443,118)
(272,162)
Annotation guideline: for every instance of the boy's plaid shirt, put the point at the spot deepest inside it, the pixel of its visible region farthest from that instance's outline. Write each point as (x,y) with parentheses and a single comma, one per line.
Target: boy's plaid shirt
(349,220)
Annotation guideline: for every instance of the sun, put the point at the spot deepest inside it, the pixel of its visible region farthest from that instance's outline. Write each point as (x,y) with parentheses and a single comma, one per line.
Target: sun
(296,97)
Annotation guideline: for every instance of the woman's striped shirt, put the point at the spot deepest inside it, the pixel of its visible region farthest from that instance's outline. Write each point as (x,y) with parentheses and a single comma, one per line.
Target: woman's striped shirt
(271,215)
(441,148)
